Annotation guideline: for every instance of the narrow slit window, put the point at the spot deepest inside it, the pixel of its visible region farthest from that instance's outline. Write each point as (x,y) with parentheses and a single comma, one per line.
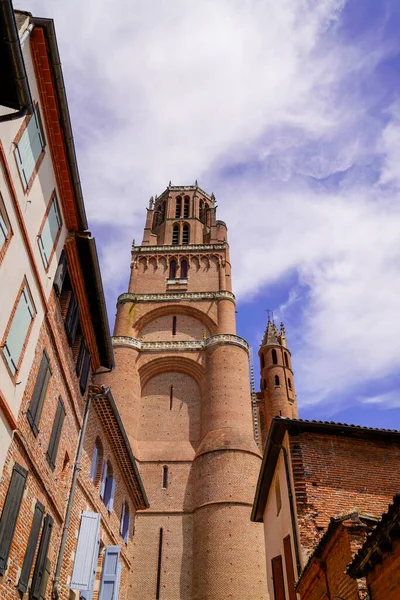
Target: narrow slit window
(289,382)
(175,235)
(184,269)
(274,357)
(158,584)
(185,234)
(262,360)
(186,208)
(165,478)
(285,356)
(174,325)
(276,378)
(201,210)
(172,269)
(178,208)
(171,396)
(264,384)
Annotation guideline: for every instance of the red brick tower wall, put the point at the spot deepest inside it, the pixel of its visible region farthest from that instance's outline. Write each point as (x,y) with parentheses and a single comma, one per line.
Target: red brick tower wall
(277,379)
(182,386)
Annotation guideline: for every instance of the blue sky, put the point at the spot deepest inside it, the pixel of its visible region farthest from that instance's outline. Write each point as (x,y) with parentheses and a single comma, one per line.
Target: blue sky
(289,112)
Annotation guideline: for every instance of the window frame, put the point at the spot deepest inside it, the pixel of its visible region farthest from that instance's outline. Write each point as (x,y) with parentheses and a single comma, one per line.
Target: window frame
(9,231)
(27,184)
(28,295)
(47,259)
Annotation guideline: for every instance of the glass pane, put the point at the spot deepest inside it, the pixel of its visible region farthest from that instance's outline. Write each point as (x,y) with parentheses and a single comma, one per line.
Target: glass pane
(30,146)
(18,331)
(49,233)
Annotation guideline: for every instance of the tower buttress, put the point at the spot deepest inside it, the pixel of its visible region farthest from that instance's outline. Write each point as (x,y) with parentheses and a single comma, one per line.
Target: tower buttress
(277,380)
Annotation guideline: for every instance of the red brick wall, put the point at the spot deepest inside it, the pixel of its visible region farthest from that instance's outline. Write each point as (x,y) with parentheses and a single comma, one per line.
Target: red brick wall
(334,475)
(384,580)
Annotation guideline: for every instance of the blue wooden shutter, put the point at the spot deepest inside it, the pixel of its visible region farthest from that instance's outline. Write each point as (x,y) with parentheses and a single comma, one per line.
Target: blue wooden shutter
(126,526)
(109,576)
(87,552)
(36,404)
(31,547)
(95,459)
(52,450)
(18,330)
(109,493)
(29,148)
(118,582)
(10,513)
(50,230)
(39,572)
(103,481)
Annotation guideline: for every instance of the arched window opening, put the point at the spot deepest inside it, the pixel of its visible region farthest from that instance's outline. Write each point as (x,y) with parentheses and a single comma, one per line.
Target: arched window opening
(201,210)
(171,396)
(156,219)
(175,235)
(165,477)
(289,383)
(125,522)
(274,357)
(174,325)
(262,360)
(178,207)
(184,269)
(185,234)
(172,269)
(264,384)
(97,461)
(285,356)
(186,207)
(107,488)
(276,379)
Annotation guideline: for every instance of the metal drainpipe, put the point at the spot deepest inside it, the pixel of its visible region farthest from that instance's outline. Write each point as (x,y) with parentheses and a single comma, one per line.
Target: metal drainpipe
(77,468)
(291,504)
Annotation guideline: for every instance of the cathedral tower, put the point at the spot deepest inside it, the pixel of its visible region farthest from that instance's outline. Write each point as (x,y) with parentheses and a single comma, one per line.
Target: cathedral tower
(182,386)
(277,381)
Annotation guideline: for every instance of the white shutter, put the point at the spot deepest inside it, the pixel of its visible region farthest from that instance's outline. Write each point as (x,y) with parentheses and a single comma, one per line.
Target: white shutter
(109,576)
(49,233)
(18,330)
(87,551)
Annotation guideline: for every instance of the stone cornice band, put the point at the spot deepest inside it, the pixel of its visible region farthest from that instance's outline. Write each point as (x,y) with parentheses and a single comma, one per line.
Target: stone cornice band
(182,248)
(176,296)
(220,338)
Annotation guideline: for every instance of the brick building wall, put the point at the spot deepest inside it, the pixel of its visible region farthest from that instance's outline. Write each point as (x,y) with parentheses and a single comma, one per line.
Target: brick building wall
(384,580)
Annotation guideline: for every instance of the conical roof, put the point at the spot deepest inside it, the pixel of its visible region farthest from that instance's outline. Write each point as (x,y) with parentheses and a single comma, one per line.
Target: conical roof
(271,335)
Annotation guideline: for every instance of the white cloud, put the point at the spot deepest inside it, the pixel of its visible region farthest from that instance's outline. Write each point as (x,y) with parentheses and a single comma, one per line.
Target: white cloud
(182,90)
(386,401)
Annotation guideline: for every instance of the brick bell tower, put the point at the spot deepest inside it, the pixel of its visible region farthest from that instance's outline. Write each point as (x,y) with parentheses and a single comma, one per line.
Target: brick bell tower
(182,386)
(277,380)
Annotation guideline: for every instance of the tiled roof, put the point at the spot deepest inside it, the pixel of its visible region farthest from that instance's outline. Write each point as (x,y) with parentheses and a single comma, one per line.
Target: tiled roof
(378,541)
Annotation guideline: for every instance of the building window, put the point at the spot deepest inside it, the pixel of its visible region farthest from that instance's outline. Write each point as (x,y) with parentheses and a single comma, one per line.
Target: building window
(290,578)
(125,522)
(10,513)
(172,269)
(278,497)
(289,383)
(201,210)
(158,584)
(111,574)
(156,219)
(5,228)
(107,488)
(184,269)
(277,577)
(31,547)
(165,477)
(30,148)
(175,235)
(47,238)
(39,393)
(274,357)
(162,212)
(97,461)
(72,319)
(86,554)
(178,207)
(18,330)
(276,379)
(285,357)
(185,234)
(42,568)
(83,366)
(55,436)
(171,396)
(174,319)
(186,208)
(262,360)
(264,384)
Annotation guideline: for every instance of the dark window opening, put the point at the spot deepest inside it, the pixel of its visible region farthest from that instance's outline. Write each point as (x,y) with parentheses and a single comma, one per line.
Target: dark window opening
(162,212)
(276,379)
(55,436)
(174,325)
(274,357)
(186,207)
(184,269)
(264,384)
(39,393)
(175,235)
(285,356)
(171,396)
(125,522)
(201,210)
(289,383)
(262,359)
(172,269)
(156,219)
(185,234)
(178,207)
(165,478)
(158,584)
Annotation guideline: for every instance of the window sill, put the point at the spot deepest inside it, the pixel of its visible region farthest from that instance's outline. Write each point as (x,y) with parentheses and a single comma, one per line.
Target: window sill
(177,281)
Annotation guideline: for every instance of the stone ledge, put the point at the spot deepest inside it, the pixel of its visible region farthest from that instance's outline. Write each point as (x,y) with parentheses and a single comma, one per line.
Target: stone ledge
(177,296)
(221,338)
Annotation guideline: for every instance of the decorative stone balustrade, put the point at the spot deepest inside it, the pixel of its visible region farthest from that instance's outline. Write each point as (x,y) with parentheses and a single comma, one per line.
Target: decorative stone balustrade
(185,345)
(177,296)
(180,248)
